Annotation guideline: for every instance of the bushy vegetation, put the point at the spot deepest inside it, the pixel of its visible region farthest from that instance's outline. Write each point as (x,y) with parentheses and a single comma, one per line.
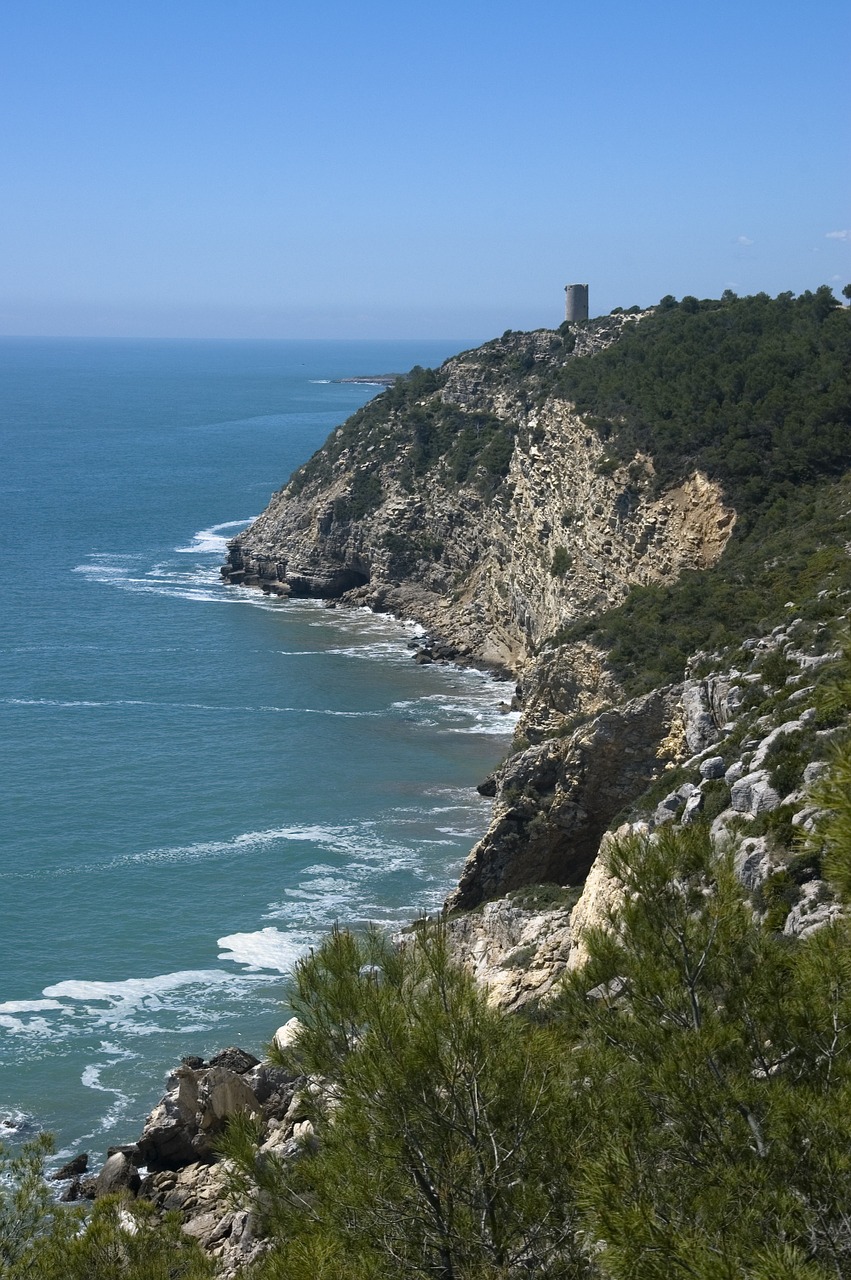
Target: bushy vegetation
(561,562)
(681,1110)
(409,420)
(755,391)
(373,424)
(469,444)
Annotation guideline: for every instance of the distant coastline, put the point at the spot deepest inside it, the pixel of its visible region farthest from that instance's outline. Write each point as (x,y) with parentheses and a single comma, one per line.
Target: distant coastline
(373,380)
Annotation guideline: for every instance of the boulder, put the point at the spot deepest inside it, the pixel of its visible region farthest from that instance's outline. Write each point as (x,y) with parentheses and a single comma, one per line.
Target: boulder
(713,767)
(236,1060)
(667,809)
(221,1094)
(693,807)
(118,1174)
(752,863)
(736,771)
(73,1168)
(815,908)
(808,818)
(271,1086)
(287,1035)
(782,731)
(754,793)
(815,770)
(182,1127)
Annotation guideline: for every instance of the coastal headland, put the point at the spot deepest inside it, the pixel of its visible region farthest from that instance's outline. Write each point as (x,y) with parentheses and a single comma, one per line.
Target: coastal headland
(643,520)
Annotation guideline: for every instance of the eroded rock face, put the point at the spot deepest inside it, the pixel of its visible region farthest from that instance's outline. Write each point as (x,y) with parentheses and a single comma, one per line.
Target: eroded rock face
(199,1193)
(555,801)
(481,573)
(517,954)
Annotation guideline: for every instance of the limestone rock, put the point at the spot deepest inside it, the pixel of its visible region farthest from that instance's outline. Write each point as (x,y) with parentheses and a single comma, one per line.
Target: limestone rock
(764,749)
(752,863)
(517,954)
(199,1192)
(712,767)
(754,793)
(183,1126)
(692,810)
(287,1035)
(601,896)
(814,909)
(555,801)
(737,770)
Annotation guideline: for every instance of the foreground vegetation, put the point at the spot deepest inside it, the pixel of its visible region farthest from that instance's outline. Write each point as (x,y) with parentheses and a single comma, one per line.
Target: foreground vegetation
(682,1109)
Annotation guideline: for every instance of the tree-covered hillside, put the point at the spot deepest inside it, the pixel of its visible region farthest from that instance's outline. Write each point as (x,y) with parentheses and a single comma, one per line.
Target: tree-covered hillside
(755,392)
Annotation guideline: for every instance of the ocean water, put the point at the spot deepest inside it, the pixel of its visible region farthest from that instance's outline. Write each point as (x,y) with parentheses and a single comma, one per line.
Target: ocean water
(196,780)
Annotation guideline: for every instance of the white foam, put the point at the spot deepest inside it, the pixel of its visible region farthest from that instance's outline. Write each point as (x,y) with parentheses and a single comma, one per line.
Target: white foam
(90,1078)
(39,1028)
(14,1121)
(29,1006)
(265,949)
(213,541)
(132,992)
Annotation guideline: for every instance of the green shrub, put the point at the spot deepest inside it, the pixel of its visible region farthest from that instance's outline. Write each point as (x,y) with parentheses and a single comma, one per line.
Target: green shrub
(561,562)
(365,495)
(716,798)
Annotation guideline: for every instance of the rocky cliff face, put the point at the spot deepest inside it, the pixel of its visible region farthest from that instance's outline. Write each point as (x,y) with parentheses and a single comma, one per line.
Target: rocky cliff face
(491,563)
(485,507)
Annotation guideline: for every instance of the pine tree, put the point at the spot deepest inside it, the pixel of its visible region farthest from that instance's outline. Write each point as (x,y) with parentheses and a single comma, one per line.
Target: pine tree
(444,1127)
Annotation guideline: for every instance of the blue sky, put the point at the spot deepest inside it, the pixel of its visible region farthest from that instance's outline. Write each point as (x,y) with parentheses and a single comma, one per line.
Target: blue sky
(270,169)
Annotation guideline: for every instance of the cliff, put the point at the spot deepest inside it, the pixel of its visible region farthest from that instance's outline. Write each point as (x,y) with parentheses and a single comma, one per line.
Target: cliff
(479,506)
(584,508)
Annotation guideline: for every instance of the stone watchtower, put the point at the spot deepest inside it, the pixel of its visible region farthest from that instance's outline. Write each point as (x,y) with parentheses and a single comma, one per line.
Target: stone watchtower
(576,302)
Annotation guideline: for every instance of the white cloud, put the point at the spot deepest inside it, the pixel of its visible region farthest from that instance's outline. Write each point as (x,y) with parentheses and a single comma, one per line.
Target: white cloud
(838,235)
(743,240)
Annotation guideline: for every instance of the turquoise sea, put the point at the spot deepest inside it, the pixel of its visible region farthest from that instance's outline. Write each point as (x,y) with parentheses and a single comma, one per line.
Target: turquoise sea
(197,781)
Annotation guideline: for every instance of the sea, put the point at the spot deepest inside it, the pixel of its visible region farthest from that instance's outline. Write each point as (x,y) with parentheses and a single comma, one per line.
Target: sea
(196,781)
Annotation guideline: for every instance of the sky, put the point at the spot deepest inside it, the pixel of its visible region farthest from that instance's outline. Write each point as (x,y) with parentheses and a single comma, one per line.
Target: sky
(272,169)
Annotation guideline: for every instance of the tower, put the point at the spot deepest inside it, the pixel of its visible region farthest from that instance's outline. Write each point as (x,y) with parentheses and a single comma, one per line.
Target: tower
(576,302)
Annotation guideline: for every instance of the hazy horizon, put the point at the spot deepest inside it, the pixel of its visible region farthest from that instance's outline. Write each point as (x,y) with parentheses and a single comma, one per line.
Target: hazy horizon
(198,171)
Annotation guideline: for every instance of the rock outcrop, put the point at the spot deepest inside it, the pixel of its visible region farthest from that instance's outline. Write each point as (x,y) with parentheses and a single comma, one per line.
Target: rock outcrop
(555,800)
(175,1165)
